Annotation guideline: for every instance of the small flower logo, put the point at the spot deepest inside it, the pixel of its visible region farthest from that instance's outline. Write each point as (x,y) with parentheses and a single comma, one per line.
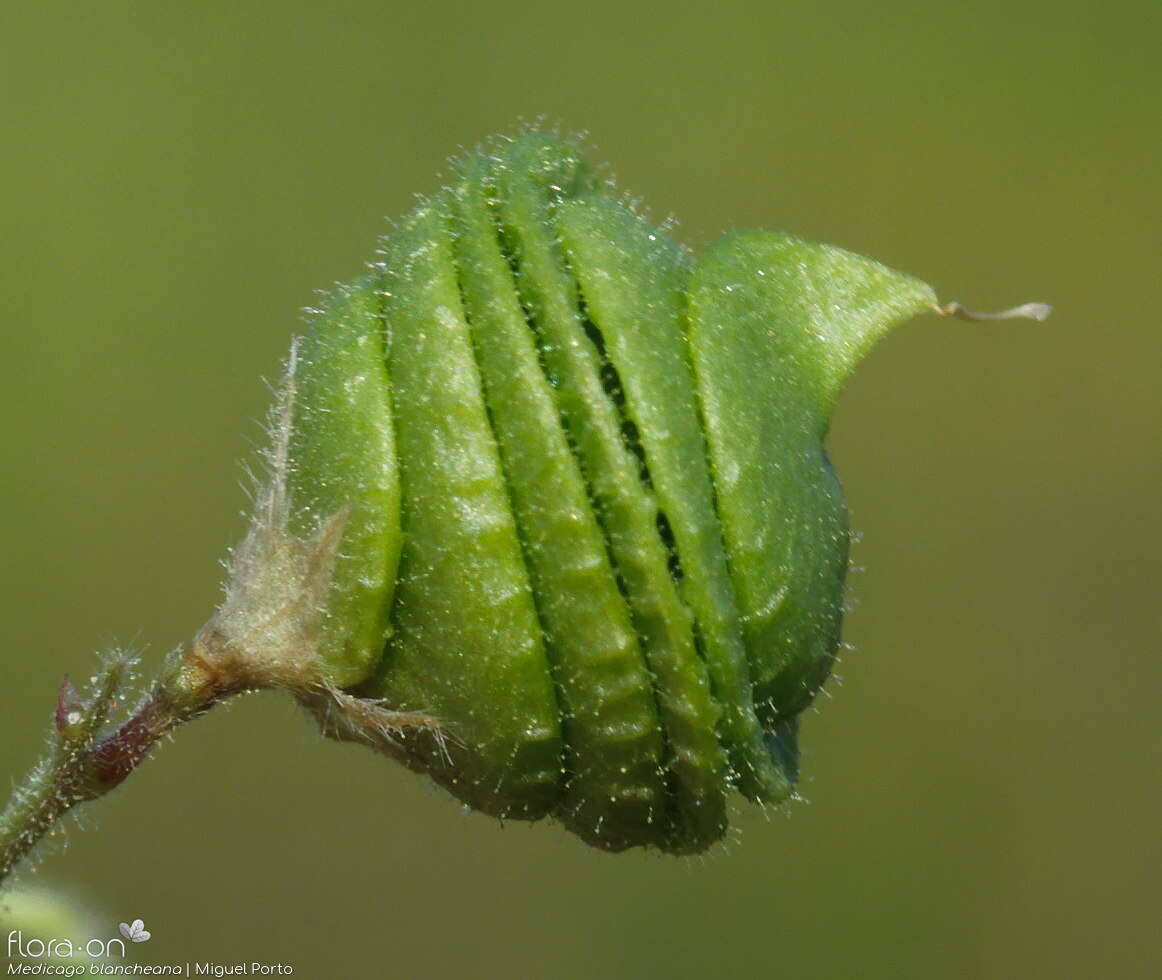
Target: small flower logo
(135,932)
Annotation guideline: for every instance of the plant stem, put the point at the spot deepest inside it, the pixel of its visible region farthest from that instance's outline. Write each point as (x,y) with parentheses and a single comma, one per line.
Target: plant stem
(58,782)
(85,760)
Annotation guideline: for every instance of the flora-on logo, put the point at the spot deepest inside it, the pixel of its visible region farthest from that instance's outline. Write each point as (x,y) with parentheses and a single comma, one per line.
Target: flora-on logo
(135,931)
(35,948)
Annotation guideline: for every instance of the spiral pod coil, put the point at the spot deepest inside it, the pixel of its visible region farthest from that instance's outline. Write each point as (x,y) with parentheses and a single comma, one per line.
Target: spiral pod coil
(591,526)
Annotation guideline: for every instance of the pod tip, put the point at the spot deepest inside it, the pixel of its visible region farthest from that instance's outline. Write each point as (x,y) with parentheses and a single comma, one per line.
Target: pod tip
(1026,311)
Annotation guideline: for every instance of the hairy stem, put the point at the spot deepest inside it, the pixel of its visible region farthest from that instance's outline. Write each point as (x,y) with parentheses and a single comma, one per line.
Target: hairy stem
(87,758)
(60,780)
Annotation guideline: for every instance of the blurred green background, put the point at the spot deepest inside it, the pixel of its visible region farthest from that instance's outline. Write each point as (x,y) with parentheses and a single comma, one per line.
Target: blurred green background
(983,784)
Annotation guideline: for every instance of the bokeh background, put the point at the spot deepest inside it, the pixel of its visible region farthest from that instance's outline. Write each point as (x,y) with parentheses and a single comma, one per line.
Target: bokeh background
(983,785)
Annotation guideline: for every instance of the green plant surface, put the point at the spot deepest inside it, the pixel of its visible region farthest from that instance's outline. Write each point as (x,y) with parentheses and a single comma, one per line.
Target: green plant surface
(981,800)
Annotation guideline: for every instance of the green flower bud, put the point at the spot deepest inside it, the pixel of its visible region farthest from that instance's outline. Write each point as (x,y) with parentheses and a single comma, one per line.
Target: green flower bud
(570,496)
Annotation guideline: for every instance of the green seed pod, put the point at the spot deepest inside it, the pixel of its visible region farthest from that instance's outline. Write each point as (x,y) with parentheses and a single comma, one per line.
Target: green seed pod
(590,524)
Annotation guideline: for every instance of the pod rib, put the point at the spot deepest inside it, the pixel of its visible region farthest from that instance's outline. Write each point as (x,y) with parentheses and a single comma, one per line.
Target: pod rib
(531,178)
(615,794)
(633,282)
(467,642)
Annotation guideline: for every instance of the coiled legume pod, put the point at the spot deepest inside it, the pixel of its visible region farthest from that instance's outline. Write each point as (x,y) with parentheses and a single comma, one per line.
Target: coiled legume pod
(591,527)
